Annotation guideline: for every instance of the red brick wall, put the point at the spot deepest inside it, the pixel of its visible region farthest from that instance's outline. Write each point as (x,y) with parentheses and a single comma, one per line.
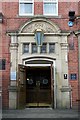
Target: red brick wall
(6,72)
(12,22)
(79,8)
(38,8)
(73,68)
(79,73)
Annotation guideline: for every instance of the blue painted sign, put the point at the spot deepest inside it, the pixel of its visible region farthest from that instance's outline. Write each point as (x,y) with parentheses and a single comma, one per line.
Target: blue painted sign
(70,23)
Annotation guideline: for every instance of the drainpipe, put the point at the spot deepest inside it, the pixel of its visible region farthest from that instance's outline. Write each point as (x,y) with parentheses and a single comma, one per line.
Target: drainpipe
(79,70)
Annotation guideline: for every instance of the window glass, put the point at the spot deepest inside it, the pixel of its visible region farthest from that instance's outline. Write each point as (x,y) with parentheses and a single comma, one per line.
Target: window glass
(50,7)
(26,0)
(51,47)
(34,48)
(2,64)
(26,48)
(49,0)
(43,48)
(26,7)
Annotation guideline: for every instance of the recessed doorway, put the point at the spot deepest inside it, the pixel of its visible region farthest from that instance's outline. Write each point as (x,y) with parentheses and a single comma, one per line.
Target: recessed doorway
(35,86)
(38,87)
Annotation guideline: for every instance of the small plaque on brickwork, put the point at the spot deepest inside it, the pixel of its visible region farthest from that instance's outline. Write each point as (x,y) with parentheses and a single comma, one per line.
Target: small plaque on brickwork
(73,76)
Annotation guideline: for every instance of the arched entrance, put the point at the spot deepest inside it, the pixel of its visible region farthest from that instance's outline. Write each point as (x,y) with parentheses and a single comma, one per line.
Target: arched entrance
(32,65)
(36,84)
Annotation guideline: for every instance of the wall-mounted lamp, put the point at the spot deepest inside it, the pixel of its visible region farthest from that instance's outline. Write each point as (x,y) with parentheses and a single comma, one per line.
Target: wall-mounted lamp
(72,18)
(39,36)
(1,17)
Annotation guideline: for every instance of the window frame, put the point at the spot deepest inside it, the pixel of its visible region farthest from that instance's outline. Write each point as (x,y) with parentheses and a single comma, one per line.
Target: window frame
(24,47)
(32,48)
(53,49)
(49,14)
(26,14)
(42,47)
(2,64)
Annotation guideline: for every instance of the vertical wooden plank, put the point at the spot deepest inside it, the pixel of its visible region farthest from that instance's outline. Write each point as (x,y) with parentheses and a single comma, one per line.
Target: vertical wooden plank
(21,82)
(52,86)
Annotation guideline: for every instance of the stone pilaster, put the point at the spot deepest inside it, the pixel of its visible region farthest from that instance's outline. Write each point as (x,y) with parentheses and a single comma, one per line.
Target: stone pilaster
(13,72)
(14,57)
(65,89)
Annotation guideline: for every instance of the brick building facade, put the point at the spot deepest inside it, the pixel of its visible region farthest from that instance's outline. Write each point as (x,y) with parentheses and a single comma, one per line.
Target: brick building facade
(18,27)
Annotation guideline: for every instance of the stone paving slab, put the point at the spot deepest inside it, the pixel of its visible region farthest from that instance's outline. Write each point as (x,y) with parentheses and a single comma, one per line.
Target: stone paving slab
(40,113)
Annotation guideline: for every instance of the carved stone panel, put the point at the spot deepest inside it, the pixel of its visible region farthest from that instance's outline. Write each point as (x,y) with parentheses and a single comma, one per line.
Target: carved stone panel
(45,26)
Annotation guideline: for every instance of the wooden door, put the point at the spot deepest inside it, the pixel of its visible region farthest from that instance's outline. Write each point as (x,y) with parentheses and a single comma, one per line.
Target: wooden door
(45,91)
(21,83)
(39,87)
(52,86)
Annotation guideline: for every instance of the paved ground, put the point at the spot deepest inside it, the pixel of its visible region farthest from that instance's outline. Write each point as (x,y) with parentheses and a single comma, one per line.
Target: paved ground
(40,113)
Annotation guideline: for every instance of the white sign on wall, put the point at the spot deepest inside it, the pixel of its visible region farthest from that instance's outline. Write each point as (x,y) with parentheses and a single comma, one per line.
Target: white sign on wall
(13,75)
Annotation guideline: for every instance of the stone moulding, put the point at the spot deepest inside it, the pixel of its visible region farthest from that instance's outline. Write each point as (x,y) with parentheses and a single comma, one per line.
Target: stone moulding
(13,88)
(66,89)
(39,23)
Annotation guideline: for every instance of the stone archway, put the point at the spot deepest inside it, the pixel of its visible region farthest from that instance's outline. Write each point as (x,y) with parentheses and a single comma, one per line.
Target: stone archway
(41,65)
(39,23)
(53,34)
